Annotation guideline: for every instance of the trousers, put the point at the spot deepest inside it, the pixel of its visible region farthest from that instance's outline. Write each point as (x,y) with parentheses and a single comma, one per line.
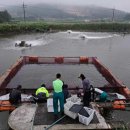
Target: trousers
(86,98)
(58,97)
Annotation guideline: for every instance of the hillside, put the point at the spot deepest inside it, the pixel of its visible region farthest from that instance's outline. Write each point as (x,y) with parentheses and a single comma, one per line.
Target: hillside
(94,12)
(45,11)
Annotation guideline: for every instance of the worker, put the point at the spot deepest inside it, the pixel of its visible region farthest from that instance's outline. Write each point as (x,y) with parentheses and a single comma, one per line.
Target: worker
(41,94)
(103,96)
(15,95)
(86,90)
(58,95)
(65,92)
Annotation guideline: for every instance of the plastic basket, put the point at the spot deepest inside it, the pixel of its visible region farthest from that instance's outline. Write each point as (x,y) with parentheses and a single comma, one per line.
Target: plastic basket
(74,99)
(86,120)
(50,105)
(67,106)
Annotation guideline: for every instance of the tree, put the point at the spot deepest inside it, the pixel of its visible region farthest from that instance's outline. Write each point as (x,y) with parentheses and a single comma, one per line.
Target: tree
(4,16)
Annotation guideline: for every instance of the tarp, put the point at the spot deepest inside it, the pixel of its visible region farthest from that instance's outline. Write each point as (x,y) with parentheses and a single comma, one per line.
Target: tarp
(24,97)
(76,108)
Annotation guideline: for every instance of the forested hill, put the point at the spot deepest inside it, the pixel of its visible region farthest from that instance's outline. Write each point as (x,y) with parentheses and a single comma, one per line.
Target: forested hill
(45,11)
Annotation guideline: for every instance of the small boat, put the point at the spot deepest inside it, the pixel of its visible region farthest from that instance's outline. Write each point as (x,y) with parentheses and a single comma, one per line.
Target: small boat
(22,44)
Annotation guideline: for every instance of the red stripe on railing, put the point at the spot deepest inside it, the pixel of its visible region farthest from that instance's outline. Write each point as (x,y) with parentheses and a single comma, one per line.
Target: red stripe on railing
(59,60)
(33,59)
(83,59)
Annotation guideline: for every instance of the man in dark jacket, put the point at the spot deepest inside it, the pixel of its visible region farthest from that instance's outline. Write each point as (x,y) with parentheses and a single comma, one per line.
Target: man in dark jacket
(65,92)
(15,95)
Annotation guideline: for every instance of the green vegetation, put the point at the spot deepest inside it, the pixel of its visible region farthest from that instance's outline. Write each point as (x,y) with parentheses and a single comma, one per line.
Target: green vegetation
(23,27)
(98,27)
(26,27)
(4,16)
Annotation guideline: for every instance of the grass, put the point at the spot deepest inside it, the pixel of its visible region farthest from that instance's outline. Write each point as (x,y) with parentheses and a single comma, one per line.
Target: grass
(25,27)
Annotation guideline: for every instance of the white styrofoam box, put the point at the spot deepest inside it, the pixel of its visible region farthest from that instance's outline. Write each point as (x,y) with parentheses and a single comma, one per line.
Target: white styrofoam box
(50,105)
(74,99)
(69,103)
(86,120)
(67,106)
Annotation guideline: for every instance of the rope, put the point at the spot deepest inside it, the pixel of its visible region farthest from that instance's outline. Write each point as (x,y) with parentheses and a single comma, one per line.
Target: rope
(55,122)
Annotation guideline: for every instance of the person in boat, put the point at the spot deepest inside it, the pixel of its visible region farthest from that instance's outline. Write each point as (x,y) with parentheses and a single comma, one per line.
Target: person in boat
(41,94)
(15,95)
(58,95)
(65,92)
(86,90)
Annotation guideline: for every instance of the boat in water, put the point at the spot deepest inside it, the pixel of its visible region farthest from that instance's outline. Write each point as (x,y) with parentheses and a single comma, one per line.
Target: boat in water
(22,44)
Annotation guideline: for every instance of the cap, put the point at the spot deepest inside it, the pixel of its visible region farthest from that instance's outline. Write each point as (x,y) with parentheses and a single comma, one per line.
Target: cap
(81,76)
(43,85)
(19,86)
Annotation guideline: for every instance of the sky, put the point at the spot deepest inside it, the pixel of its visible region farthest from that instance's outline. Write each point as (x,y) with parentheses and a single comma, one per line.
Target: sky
(117,4)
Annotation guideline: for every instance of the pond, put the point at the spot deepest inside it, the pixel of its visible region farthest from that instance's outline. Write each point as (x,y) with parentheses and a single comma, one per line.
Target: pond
(113,50)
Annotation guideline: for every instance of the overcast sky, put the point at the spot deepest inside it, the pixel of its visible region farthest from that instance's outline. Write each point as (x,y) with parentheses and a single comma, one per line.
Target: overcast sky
(117,4)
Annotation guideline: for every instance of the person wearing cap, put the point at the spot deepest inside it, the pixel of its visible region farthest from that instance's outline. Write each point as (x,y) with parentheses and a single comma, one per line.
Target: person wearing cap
(58,95)
(86,90)
(41,94)
(15,95)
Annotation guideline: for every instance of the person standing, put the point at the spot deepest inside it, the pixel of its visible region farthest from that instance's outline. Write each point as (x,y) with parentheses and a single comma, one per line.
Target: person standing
(58,95)
(15,95)
(66,92)
(86,90)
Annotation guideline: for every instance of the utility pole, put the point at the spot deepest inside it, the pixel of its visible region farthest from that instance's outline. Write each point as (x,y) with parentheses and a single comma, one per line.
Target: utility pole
(113,14)
(24,6)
